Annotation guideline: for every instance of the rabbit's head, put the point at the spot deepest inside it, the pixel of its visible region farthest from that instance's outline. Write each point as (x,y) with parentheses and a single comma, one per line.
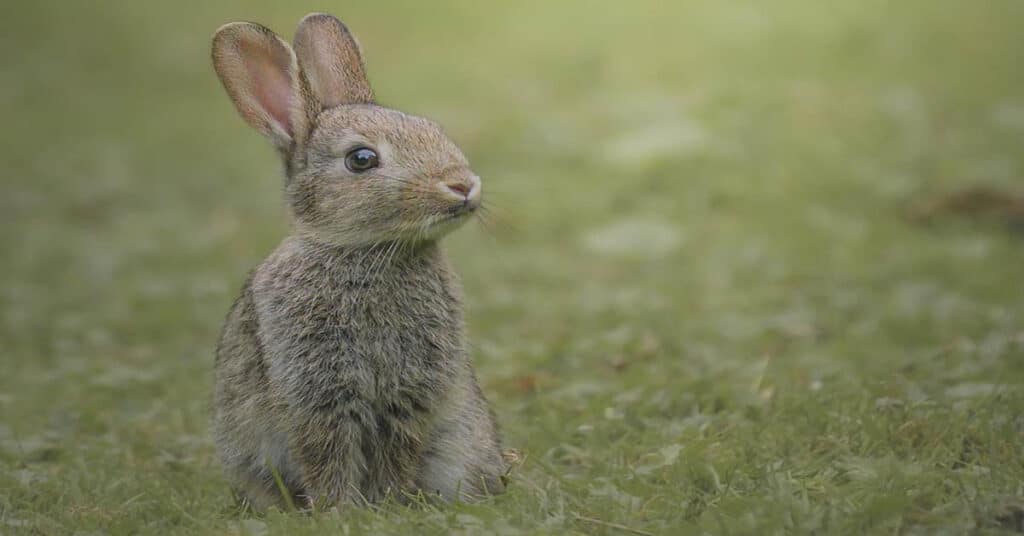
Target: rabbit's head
(358,173)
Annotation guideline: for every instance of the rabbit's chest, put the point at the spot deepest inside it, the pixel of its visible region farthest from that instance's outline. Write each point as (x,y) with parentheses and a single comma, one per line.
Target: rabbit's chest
(399,331)
(387,340)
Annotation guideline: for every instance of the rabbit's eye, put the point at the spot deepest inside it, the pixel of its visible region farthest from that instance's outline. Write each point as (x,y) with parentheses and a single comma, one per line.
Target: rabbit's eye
(361,159)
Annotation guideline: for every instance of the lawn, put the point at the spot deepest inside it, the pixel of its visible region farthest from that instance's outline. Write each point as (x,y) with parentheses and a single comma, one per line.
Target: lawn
(725,289)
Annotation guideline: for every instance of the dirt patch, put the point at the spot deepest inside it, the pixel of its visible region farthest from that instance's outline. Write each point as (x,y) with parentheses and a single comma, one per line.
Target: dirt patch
(980,203)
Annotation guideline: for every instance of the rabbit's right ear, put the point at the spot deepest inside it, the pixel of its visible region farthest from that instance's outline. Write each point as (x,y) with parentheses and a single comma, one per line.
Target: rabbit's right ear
(261,75)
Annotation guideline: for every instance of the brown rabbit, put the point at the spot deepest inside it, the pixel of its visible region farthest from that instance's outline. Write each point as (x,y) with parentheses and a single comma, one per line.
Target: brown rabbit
(342,367)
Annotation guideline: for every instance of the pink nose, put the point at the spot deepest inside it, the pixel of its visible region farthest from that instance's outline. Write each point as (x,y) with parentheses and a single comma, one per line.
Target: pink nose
(460,188)
(463,190)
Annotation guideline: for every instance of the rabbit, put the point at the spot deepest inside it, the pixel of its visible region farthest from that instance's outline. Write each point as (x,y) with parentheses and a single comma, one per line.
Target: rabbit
(341,373)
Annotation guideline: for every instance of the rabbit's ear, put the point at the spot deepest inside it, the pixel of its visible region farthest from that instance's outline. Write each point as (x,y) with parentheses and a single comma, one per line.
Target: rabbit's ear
(331,62)
(260,73)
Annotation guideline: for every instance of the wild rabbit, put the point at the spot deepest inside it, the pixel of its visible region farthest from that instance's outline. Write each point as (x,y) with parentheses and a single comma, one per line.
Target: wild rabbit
(342,368)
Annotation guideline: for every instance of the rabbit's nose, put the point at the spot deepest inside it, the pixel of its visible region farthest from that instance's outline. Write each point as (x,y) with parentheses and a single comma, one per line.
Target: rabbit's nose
(465,189)
(460,188)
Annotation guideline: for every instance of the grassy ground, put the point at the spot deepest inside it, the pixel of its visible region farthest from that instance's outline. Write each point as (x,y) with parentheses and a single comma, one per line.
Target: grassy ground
(702,309)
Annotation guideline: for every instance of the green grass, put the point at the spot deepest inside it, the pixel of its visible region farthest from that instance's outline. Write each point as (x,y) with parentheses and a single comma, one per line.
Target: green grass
(701,308)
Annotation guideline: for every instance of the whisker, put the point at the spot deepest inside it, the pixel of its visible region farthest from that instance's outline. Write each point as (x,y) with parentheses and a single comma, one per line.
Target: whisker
(372,250)
(377,265)
(486,226)
(498,217)
(396,253)
(381,264)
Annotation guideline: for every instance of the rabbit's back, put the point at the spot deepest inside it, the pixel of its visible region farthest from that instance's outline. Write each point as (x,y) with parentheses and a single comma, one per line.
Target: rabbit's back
(247,434)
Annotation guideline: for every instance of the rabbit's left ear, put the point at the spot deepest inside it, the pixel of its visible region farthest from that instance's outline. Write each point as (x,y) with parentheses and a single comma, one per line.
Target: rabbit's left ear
(330,62)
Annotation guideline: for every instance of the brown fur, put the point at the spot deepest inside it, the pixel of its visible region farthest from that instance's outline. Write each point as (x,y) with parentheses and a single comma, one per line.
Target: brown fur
(342,367)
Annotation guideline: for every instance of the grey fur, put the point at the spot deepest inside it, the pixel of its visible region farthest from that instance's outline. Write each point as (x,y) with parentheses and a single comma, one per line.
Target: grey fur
(343,367)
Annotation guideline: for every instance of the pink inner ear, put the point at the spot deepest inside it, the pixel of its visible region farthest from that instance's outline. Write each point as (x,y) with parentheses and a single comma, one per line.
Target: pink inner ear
(272,88)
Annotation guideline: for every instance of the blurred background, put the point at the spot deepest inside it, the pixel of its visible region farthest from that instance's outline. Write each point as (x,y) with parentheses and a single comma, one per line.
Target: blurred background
(766,216)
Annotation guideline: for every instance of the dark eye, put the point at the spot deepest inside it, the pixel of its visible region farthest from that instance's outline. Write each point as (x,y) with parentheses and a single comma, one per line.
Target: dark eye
(361,159)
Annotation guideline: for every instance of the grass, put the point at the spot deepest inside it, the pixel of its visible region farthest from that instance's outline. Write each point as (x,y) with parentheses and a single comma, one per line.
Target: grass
(702,307)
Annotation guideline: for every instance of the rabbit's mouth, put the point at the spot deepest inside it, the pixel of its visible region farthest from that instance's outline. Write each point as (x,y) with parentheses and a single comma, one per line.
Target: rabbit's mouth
(463,209)
(453,216)
(447,221)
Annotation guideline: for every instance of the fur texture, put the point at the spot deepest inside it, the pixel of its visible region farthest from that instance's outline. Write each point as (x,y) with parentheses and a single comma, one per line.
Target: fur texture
(342,367)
